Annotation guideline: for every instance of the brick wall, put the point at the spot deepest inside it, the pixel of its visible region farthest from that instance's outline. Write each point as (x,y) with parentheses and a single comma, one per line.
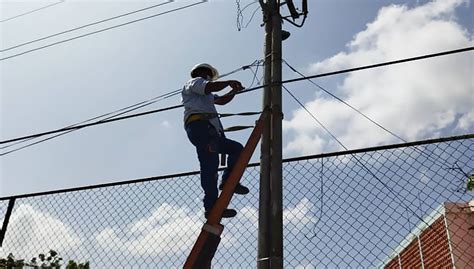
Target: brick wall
(435,246)
(393,264)
(410,256)
(436,250)
(460,219)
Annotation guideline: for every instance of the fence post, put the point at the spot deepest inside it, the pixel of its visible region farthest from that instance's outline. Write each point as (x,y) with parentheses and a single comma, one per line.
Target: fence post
(3,231)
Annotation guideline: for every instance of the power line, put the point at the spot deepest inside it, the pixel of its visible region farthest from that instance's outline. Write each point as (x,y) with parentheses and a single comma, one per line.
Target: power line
(32,11)
(345,103)
(435,157)
(314,117)
(84,26)
(117,113)
(127,109)
(396,195)
(102,30)
(241,92)
(77,127)
(426,56)
(431,155)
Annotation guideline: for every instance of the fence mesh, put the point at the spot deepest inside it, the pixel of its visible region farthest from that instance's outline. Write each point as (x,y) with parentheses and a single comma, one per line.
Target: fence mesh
(389,207)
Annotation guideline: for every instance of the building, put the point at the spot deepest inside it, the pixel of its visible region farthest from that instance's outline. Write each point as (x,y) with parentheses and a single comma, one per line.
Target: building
(445,239)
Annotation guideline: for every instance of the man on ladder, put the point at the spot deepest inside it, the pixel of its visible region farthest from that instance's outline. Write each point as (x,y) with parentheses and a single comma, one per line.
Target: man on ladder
(205,131)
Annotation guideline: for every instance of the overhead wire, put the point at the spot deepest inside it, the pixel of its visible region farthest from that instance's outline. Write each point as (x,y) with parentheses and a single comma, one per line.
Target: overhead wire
(364,67)
(255,73)
(101,30)
(241,92)
(32,11)
(116,113)
(344,102)
(251,17)
(85,26)
(240,15)
(429,156)
(396,195)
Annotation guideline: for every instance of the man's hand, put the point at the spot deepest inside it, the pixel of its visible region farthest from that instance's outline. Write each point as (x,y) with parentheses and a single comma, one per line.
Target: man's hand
(215,86)
(236,85)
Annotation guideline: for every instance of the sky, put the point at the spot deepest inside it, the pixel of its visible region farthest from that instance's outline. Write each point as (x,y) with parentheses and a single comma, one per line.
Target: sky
(86,77)
(67,83)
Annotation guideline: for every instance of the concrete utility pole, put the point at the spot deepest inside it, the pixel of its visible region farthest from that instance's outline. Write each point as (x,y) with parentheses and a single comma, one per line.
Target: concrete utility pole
(270,236)
(276,180)
(263,258)
(270,222)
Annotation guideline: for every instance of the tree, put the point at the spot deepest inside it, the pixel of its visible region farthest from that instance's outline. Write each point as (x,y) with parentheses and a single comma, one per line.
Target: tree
(50,261)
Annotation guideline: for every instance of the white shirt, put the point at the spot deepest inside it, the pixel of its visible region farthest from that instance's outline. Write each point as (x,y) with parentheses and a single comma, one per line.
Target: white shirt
(195,101)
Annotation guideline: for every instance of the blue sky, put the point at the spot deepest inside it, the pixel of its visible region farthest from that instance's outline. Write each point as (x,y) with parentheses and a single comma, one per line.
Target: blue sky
(70,82)
(83,78)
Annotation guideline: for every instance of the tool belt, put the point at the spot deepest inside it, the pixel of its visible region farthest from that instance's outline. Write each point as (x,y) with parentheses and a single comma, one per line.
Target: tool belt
(200,116)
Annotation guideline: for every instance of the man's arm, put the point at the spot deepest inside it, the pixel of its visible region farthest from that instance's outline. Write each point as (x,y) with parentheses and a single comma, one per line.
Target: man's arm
(222,100)
(236,87)
(215,86)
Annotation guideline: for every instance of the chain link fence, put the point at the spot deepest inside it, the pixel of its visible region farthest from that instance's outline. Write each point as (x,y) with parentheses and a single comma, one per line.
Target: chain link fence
(380,207)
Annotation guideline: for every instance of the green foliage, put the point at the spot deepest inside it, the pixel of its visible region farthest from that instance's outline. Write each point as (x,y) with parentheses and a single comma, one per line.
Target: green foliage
(74,265)
(51,260)
(11,263)
(470,183)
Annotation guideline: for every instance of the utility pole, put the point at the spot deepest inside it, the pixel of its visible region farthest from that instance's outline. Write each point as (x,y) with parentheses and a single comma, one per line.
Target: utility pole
(276,180)
(263,256)
(270,223)
(270,235)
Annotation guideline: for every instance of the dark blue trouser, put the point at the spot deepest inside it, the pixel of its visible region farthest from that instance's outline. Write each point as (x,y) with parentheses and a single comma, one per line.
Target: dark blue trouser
(208,146)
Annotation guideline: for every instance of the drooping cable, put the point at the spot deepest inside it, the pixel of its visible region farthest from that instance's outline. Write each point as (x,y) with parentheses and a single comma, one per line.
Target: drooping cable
(432,155)
(345,103)
(394,194)
(101,30)
(85,26)
(240,15)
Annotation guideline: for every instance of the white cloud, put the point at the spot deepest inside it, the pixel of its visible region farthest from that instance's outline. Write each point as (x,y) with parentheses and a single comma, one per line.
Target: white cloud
(296,217)
(466,121)
(31,232)
(166,124)
(300,215)
(169,230)
(415,100)
(305,266)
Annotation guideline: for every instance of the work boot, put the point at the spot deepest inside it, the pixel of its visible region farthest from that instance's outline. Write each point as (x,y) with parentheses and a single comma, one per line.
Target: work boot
(228,213)
(239,189)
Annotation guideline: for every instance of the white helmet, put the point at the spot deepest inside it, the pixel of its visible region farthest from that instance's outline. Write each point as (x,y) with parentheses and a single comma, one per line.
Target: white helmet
(215,73)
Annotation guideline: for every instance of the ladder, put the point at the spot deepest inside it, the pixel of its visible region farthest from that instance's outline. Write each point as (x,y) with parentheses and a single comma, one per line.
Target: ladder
(206,244)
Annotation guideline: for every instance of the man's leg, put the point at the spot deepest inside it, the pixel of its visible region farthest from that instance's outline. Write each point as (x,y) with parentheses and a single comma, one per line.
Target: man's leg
(209,162)
(233,150)
(206,148)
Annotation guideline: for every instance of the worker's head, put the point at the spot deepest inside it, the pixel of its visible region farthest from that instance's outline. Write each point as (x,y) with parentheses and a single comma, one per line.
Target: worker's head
(205,71)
